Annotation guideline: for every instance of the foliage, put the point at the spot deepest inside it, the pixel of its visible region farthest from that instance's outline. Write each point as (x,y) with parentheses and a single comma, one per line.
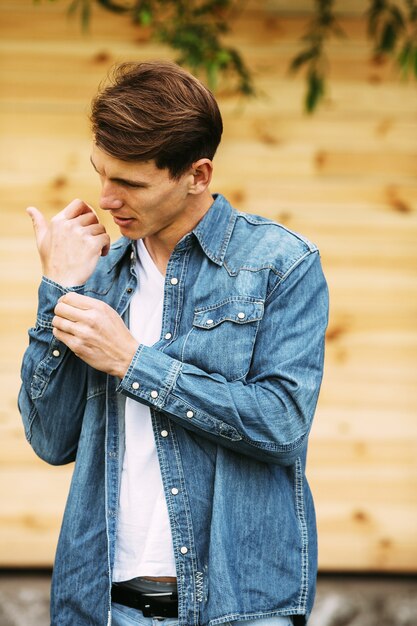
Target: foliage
(322,26)
(392,26)
(195,29)
(394,31)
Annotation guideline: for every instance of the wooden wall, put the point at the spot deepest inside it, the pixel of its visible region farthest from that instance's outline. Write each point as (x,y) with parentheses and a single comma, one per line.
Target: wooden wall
(346,178)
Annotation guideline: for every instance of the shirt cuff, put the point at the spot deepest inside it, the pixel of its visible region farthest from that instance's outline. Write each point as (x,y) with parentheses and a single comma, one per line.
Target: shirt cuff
(48,295)
(150,377)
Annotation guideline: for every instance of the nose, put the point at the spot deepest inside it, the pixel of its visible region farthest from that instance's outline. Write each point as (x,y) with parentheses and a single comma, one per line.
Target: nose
(109,198)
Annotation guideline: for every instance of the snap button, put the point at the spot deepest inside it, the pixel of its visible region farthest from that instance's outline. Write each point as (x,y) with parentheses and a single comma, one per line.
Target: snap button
(209,322)
(174,491)
(154,393)
(129,290)
(190,413)
(168,336)
(56,353)
(174,281)
(184,550)
(164,433)
(241,315)
(135,385)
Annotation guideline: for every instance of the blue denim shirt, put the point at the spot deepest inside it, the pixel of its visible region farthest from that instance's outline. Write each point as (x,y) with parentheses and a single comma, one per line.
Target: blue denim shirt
(232,385)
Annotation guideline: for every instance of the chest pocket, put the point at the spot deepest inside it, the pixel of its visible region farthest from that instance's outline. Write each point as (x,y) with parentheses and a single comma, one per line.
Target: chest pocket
(222,337)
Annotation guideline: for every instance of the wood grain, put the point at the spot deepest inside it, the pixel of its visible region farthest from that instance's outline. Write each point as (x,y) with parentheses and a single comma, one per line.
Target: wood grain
(345,177)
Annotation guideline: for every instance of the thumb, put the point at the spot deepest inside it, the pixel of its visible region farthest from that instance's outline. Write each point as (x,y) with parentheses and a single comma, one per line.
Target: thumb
(39,222)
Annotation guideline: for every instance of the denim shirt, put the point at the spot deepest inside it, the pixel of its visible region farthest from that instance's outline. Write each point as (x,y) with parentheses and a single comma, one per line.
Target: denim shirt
(232,385)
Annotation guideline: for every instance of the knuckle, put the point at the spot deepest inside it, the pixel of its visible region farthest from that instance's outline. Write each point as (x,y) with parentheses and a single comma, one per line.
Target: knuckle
(92,318)
(77,345)
(82,334)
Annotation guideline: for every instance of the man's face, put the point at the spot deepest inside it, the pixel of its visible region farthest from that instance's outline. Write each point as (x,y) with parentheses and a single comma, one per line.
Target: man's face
(142,199)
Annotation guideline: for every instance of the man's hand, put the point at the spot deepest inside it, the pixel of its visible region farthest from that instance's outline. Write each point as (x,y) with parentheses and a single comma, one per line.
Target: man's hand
(95,333)
(71,244)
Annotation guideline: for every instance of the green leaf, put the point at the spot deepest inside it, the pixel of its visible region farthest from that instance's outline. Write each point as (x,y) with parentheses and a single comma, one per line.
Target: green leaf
(302,58)
(315,91)
(404,59)
(388,38)
(145,17)
(223,58)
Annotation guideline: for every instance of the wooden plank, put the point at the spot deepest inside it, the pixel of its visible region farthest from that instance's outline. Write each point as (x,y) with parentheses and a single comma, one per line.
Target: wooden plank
(346,178)
(31,513)
(360,133)
(89,56)
(288,160)
(364,540)
(22,20)
(349,7)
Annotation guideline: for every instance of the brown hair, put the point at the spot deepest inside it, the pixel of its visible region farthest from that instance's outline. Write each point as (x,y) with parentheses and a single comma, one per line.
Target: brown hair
(156,111)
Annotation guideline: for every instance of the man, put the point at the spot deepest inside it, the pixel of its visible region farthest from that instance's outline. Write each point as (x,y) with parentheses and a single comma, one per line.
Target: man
(180,370)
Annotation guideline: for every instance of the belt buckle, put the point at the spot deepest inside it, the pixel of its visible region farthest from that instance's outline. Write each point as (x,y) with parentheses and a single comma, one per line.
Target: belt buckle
(147,610)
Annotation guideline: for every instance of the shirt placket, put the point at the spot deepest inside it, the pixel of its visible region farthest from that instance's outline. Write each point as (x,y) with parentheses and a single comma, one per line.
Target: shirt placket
(114,407)
(169,453)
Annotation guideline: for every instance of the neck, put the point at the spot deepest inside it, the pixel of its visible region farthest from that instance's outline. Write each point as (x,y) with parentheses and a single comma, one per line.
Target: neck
(161,245)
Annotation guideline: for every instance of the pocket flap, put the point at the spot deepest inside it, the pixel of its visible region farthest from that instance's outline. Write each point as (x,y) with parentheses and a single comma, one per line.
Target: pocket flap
(239,311)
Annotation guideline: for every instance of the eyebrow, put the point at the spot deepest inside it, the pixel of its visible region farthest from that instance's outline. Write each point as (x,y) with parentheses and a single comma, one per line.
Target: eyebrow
(117,179)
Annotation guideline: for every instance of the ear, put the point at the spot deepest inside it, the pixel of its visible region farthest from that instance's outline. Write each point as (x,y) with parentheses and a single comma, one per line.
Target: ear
(201,173)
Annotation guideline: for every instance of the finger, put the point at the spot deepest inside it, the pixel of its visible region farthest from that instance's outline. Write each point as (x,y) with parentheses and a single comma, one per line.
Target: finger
(71,341)
(64,325)
(75,208)
(105,244)
(85,219)
(92,209)
(102,240)
(80,301)
(40,224)
(95,229)
(67,312)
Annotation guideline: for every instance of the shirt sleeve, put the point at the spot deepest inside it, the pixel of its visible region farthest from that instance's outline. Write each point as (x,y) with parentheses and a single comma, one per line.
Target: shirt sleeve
(52,420)
(268,415)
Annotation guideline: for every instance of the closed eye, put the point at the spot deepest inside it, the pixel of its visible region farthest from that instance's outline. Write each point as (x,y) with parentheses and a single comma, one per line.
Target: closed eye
(128,183)
(125,182)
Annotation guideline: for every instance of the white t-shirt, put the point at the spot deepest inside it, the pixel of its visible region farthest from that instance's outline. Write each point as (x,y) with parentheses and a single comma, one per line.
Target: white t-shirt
(144,541)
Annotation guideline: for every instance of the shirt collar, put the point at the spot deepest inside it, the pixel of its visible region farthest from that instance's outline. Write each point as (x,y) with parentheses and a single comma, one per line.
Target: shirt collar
(213,233)
(215,229)
(119,249)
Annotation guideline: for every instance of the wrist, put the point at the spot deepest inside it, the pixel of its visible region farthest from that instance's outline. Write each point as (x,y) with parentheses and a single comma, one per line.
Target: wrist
(64,279)
(127,358)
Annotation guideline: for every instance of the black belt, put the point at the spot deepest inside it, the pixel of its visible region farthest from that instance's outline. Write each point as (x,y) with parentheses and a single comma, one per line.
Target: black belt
(153,598)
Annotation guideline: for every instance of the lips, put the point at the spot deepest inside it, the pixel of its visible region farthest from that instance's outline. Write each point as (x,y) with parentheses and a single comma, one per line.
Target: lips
(122,221)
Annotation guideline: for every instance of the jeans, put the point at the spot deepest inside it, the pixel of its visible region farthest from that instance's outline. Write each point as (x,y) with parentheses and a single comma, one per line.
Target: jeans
(125,616)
